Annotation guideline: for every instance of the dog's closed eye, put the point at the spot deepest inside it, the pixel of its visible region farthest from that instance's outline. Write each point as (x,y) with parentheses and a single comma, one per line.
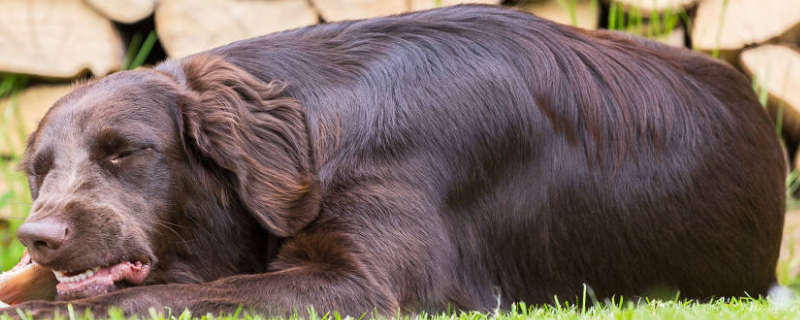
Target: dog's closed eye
(118,157)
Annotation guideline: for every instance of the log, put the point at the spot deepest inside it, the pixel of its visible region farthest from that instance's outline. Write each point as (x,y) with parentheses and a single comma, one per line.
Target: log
(676,38)
(776,68)
(587,12)
(57,39)
(124,11)
(742,23)
(417,5)
(790,244)
(338,10)
(646,7)
(190,26)
(30,106)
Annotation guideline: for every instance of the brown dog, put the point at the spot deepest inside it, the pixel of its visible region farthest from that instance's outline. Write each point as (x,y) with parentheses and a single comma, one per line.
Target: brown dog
(451,157)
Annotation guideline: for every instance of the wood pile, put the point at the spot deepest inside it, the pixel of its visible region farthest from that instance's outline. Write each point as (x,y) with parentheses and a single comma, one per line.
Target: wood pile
(190,26)
(24,111)
(63,40)
(728,26)
(585,13)
(776,71)
(124,11)
(57,39)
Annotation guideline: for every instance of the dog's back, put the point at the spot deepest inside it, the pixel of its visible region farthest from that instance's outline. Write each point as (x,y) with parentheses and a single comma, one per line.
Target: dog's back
(511,155)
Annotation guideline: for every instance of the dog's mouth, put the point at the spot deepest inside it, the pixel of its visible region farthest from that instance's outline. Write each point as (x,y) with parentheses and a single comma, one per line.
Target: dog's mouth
(99,280)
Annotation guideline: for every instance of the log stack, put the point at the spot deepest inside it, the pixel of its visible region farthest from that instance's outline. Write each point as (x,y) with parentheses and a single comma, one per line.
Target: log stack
(57,39)
(728,26)
(191,26)
(776,71)
(582,13)
(338,10)
(124,11)
(62,40)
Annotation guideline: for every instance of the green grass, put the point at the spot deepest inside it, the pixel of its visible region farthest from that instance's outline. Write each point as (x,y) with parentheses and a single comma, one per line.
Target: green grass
(138,51)
(617,310)
(15,200)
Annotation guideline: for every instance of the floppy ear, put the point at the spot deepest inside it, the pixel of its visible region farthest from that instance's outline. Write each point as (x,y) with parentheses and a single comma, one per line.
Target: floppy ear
(258,138)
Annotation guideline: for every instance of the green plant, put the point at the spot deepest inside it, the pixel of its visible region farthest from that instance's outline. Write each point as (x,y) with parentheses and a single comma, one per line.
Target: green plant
(570,6)
(138,51)
(658,26)
(14,196)
(715,52)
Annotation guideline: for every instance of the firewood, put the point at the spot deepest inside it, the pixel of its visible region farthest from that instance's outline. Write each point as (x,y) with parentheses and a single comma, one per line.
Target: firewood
(586,12)
(337,10)
(729,28)
(675,38)
(31,104)
(125,11)
(417,5)
(57,39)
(190,26)
(776,69)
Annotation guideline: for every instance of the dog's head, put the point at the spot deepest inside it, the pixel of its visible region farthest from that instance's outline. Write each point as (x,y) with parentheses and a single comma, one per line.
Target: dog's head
(139,177)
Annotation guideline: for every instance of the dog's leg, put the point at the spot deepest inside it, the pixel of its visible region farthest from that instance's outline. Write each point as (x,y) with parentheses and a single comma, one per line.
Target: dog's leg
(276,294)
(325,269)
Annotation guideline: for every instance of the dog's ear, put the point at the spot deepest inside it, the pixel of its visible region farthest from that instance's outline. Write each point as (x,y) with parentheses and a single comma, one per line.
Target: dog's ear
(258,139)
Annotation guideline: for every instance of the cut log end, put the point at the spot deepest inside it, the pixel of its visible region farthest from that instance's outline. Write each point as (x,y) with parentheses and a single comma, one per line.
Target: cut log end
(776,69)
(338,10)
(190,26)
(124,11)
(586,12)
(70,38)
(31,104)
(732,25)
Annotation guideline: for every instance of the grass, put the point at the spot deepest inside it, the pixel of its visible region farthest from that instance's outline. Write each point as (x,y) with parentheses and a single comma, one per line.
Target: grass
(15,203)
(15,200)
(618,310)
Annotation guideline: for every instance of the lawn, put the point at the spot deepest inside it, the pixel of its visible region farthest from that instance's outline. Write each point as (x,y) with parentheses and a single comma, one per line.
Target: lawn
(655,310)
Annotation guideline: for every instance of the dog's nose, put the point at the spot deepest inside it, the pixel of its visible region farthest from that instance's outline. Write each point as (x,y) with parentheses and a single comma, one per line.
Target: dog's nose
(43,237)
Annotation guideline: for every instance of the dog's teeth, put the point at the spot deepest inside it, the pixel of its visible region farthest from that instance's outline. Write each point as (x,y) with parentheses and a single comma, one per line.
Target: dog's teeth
(76,278)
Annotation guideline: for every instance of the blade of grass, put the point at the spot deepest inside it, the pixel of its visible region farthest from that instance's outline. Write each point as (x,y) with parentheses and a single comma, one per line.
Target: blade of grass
(144,51)
(715,52)
(133,47)
(612,16)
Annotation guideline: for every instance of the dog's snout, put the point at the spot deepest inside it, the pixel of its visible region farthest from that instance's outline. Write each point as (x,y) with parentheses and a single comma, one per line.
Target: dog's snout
(43,237)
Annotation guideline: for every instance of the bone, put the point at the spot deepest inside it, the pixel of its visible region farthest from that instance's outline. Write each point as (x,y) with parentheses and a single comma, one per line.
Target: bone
(27,282)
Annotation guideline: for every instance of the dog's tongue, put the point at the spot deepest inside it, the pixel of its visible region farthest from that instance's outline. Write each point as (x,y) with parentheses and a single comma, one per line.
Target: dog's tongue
(103,280)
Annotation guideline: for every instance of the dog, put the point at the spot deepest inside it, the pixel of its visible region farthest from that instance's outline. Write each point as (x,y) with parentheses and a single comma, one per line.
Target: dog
(467,157)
